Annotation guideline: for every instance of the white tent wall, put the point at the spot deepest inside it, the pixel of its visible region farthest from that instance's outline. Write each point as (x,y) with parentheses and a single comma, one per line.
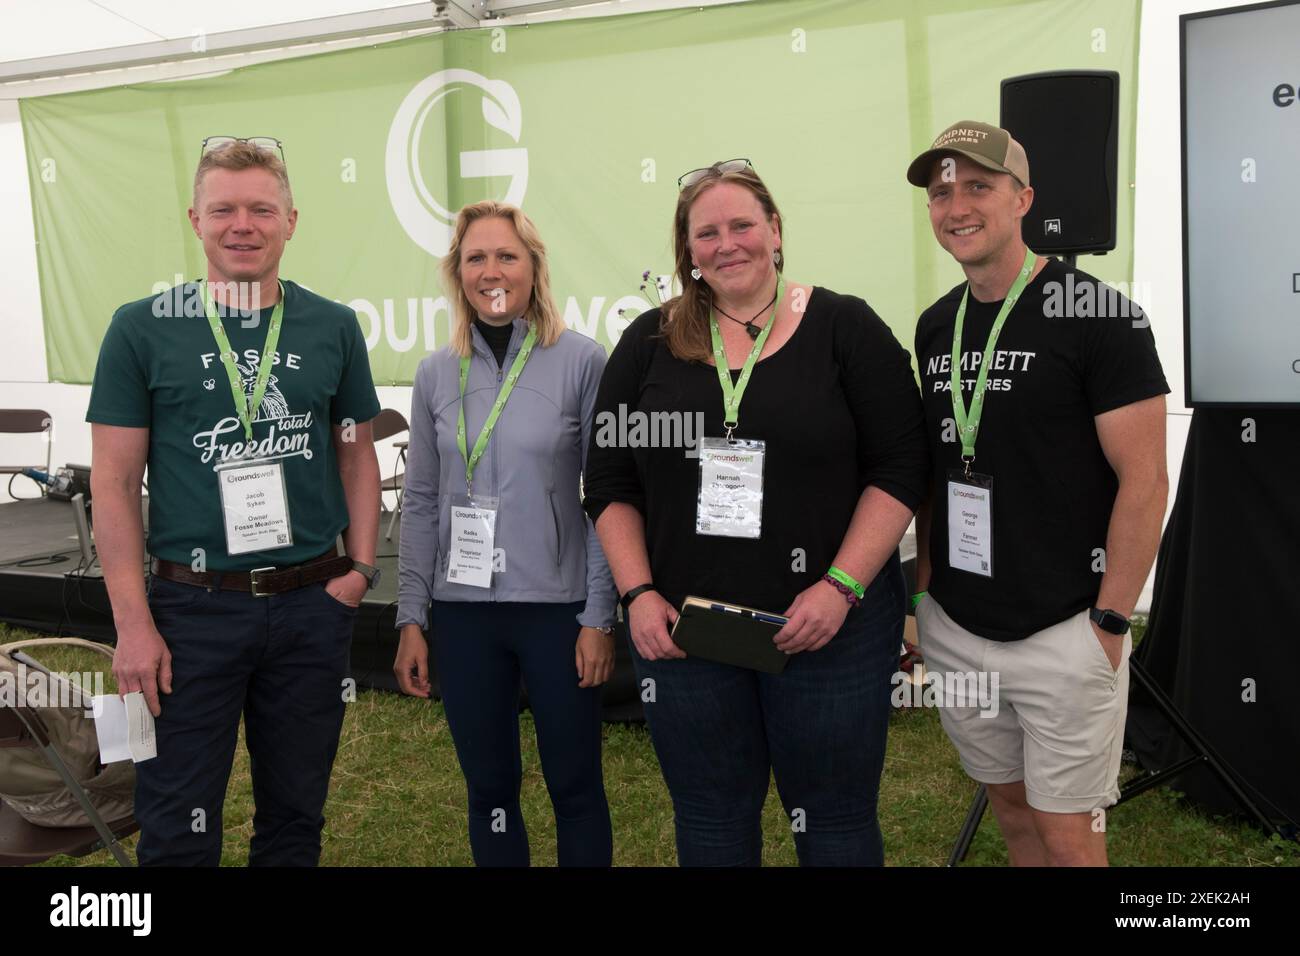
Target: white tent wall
(1157,264)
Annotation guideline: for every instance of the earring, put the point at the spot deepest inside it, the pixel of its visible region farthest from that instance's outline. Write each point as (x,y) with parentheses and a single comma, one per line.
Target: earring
(696,273)
(777,258)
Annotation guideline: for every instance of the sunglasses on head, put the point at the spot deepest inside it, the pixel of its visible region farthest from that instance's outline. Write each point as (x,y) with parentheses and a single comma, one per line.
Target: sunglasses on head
(717,169)
(268,143)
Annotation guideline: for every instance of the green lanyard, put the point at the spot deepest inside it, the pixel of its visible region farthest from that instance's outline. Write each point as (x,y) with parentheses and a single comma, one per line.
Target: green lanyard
(246,406)
(732,394)
(471,459)
(968,424)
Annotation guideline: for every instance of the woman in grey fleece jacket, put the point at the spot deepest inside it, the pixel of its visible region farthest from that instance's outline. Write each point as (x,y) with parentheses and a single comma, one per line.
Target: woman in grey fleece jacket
(514,575)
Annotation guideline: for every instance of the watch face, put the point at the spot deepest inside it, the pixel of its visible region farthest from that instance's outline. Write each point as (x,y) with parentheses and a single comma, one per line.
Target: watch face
(374,579)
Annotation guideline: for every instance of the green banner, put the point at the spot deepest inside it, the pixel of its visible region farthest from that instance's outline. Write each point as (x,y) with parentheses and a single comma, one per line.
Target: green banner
(587,124)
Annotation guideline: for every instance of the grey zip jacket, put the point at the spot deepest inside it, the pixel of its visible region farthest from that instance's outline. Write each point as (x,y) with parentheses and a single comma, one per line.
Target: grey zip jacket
(546,547)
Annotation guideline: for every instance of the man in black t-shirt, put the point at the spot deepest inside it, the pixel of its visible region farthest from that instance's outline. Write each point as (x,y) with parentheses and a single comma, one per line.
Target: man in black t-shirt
(1047,497)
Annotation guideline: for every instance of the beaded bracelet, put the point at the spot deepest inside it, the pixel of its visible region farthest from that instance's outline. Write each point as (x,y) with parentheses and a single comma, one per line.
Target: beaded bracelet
(844,589)
(847,580)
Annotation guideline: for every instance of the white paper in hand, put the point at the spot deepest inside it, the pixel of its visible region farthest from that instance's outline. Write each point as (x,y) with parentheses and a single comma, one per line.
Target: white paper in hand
(140,730)
(110,728)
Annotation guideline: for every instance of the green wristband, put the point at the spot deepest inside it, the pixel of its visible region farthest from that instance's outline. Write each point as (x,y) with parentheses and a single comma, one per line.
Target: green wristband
(847,581)
(916,598)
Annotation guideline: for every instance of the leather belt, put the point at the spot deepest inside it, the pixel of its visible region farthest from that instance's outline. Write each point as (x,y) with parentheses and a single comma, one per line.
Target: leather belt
(260,582)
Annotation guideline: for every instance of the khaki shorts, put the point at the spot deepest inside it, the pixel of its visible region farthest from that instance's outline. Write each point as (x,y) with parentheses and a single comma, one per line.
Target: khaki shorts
(1058,717)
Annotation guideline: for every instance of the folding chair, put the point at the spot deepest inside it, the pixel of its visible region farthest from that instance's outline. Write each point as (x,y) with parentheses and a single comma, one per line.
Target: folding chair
(388,423)
(26,421)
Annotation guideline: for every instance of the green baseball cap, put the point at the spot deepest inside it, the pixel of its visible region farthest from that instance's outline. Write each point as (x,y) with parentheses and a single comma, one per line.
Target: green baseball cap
(990,146)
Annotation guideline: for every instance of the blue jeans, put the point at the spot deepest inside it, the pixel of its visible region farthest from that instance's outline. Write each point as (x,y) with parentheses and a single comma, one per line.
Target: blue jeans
(820,726)
(279,661)
(482,650)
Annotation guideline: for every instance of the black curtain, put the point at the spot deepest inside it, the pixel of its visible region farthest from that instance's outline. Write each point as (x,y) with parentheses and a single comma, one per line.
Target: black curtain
(1225,619)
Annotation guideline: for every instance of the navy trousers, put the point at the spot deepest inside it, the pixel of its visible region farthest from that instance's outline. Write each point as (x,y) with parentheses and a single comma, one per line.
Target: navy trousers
(720,732)
(280,661)
(482,650)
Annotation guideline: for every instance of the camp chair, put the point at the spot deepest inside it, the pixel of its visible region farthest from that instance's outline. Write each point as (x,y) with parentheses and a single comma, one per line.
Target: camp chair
(22,842)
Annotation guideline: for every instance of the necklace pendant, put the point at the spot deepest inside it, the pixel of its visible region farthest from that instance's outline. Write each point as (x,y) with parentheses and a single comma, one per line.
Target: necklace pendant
(752,330)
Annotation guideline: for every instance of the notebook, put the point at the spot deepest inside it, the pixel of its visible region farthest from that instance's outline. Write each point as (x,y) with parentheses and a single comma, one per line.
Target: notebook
(730,634)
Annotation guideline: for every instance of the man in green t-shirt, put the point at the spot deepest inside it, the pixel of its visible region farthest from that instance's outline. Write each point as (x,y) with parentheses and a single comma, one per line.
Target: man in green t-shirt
(249,399)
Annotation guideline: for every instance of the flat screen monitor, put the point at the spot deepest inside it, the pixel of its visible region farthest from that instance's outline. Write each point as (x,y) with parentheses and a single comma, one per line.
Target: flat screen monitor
(1241,205)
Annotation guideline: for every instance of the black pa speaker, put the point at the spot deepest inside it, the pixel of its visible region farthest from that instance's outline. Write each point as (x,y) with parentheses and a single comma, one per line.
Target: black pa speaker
(1068,122)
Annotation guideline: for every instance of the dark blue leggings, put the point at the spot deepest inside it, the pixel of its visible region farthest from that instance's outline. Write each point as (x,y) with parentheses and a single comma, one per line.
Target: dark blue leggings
(482,650)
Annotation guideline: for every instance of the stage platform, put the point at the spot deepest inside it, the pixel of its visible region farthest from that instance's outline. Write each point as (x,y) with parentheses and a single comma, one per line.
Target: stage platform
(46,586)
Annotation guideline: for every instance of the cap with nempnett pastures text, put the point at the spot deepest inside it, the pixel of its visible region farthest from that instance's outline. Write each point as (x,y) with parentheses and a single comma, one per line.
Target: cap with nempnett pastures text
(990,146)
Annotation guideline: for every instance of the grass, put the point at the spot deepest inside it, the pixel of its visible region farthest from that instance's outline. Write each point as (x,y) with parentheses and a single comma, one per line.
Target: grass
(397,798)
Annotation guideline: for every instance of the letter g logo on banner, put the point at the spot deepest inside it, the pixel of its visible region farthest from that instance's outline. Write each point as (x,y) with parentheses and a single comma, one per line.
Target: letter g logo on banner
(426,220)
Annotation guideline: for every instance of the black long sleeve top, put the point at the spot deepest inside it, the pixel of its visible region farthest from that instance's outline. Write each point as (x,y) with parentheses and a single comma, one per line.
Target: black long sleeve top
(839,410)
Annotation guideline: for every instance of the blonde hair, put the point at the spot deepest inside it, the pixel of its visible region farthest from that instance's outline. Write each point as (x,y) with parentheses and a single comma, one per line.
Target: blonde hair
(541,311)
(237,156)
(685,323)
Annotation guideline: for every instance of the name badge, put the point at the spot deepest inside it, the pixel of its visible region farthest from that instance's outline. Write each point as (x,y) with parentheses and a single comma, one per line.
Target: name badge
(731,488)
(970,523)
(255,506)
(473,529)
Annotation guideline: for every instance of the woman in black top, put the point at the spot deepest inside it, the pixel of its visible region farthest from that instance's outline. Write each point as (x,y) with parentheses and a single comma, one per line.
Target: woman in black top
(833,399)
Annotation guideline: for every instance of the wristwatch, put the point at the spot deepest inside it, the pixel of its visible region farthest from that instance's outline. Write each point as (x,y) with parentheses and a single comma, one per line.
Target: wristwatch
(370,573)
(1109,621)
(627,599)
